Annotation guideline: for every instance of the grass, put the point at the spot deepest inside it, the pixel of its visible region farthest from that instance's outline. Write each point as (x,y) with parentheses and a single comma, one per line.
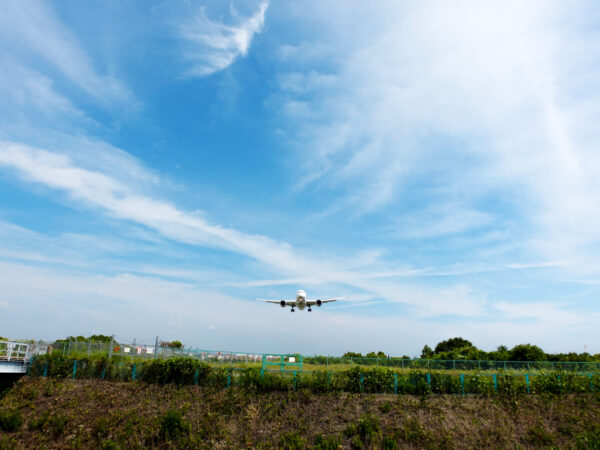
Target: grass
(96,414)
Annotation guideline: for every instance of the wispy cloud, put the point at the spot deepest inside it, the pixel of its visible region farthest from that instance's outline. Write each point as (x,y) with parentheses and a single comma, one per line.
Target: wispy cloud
(34,28)
(212,46)
(98,189)
(462,105)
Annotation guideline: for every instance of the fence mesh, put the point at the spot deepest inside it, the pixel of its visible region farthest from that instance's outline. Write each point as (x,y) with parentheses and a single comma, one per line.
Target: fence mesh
(143,352)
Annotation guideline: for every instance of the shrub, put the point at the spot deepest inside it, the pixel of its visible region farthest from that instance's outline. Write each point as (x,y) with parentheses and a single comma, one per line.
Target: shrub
(172,425)
(445,384)
(378,380)
(176,370)
(10,420)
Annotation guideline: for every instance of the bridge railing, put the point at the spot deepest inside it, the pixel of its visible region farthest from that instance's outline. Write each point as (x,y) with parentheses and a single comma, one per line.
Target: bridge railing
(14,351)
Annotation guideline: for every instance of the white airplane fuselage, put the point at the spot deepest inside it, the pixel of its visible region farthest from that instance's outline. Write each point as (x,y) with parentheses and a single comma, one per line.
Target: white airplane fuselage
(301,299)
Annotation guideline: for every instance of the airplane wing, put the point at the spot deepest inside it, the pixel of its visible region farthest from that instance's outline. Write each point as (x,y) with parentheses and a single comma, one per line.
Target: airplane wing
(291,303)
(326,300)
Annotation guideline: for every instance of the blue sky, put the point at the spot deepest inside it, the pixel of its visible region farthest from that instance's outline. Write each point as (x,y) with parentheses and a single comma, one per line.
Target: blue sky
(162,166)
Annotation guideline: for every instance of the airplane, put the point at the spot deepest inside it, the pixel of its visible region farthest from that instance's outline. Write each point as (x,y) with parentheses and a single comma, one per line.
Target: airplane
(301,301)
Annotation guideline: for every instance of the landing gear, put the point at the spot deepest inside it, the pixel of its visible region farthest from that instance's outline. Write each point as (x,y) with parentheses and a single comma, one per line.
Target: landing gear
(293,310)
(309,310)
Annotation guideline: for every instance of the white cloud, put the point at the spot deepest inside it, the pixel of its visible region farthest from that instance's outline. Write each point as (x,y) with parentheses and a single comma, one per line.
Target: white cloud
(33,27)
(213,46)
(547,313)
(98,189)
(457,104)
(105,304)
(21,88)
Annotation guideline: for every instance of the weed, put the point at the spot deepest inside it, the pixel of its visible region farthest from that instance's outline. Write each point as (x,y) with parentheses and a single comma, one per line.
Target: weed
(10,420)
(414,432)
(385,407)
(58,423)
(172,425)
(37,423)
(389,443)
(7,443)
(589,439)
(538,436)
(292,441)
(109,444)
(330,442)
(365,430)
(102,425)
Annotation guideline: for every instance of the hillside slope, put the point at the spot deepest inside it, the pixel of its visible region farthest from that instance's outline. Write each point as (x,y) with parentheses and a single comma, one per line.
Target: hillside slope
(88,413)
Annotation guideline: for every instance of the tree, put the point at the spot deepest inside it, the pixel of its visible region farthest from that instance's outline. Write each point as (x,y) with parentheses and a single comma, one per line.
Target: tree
(452,344)
(526,352)
(176,344)
(352,355)
(100,338)
(426,353)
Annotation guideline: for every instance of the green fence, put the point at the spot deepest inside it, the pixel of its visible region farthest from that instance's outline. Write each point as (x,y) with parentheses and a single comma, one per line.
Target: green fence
(142,352)
(355,379)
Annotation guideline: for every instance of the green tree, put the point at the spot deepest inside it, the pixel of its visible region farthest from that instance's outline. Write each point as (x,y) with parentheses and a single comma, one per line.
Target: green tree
(176,344)
(452,344)
(526,352)
(426,353)
(352,355)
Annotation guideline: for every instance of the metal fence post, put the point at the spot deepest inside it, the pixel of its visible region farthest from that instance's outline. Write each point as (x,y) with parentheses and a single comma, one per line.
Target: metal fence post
(395,383)
(46,369)
(362,382)
(462,383)
(104,372)
(133,372)
(591,382)
(110,347)
(295,380)
(196,377)
(156,348)
(527,383)
(74,368)
(495,382)
(89,345)
(429,380)
(229,377)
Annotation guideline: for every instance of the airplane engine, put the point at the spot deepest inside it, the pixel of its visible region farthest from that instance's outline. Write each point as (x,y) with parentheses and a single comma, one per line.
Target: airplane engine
(282,303)
(319,302)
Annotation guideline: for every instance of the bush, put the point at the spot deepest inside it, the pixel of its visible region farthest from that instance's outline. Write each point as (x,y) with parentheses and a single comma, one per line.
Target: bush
(176,370)
(172,425)
(10,420)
